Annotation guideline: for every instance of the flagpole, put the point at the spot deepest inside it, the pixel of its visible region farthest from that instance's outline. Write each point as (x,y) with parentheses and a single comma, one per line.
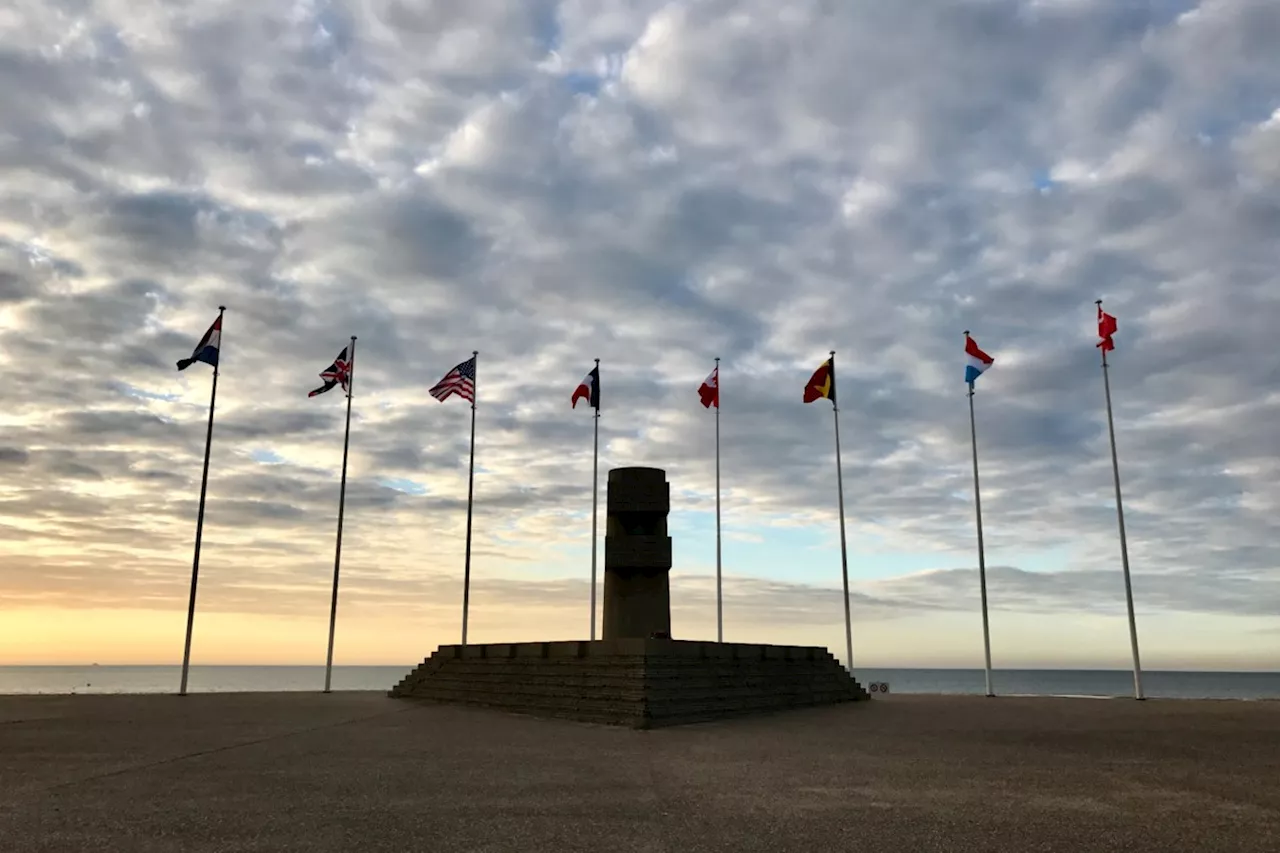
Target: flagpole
(342,504)
(844,549)
(1124,545)
(719,592)
(204,487)
(471,491)
(595,502)
(982,559)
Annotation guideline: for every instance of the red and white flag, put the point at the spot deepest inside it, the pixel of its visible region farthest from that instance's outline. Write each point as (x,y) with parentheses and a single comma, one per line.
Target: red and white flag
(461,381)
(709,390)
(1106,328)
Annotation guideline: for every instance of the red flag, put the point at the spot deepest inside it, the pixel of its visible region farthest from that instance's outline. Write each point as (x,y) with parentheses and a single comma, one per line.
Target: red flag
(1106,328)
(709,390)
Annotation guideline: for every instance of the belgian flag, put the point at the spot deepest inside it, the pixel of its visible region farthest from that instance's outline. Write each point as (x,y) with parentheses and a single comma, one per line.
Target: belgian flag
(822,383)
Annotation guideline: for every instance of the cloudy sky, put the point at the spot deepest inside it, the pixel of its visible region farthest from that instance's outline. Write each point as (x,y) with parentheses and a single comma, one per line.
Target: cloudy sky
(653,184)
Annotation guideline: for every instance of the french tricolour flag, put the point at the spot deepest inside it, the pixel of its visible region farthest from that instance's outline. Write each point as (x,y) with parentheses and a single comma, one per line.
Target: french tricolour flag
(976,361)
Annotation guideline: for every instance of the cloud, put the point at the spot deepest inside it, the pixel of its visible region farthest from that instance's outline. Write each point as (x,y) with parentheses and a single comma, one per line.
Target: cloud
(1096,591)
(653,184)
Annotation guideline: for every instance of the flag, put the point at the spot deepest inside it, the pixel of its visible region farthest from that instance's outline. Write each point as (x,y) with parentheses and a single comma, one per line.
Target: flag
(822,383)
(337,373)
(461,381)
(207,349)
(588,389)
(1106,328)
(976,361)
(709,390)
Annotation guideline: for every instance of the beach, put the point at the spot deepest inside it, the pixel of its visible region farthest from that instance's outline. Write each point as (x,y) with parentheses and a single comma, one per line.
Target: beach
(359,771)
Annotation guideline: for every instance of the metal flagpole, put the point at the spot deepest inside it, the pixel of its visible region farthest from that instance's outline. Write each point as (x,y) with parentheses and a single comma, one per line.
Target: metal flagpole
(982,559)
(719,593)
(595,503)
(471,491)
(1124,545)
(844,549)
(342,504)
(204,486)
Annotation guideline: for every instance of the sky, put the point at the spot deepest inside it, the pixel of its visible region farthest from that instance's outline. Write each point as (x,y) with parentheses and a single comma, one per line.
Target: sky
(654,184)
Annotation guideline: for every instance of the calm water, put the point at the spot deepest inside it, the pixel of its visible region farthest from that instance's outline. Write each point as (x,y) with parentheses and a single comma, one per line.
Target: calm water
(201,679)
(1068,682)
(229,679)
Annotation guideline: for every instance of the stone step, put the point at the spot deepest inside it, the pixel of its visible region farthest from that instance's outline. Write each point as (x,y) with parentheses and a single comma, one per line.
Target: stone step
(651,690)
(635,683)
(634,714)
(514,693)
(708,698)
(654,687)
(650,675)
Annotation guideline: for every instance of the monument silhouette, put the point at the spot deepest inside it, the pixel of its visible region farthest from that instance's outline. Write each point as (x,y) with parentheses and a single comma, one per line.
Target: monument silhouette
(637,555)
(637,675)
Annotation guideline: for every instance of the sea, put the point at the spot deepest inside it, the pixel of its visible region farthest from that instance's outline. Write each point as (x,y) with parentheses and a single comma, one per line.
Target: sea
(1007,682)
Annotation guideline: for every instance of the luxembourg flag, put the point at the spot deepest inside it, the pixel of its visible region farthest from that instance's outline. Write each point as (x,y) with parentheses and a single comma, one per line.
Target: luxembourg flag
(976,361)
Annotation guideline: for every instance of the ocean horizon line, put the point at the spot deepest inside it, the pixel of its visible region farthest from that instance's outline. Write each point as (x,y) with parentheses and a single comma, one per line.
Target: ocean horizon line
(411,664)
(975,694)
(272,678)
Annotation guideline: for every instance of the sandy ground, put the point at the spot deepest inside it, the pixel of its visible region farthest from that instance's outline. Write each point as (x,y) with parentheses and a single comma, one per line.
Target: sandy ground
(360,772)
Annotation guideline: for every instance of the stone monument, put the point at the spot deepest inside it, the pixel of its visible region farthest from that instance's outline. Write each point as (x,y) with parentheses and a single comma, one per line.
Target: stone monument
(637,555)
(636,675)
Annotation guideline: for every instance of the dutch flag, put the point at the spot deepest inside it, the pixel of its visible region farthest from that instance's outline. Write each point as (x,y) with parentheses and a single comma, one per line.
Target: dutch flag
(976,361)
(207,349)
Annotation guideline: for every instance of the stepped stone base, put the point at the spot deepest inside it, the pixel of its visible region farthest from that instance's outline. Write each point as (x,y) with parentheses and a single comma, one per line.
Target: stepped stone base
(632,682)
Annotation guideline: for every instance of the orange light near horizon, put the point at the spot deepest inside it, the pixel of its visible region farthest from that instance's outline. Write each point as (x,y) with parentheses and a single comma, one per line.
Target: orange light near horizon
(368,636)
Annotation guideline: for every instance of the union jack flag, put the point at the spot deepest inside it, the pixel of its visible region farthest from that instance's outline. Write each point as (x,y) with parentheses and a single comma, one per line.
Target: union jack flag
(461,381)
(338,373)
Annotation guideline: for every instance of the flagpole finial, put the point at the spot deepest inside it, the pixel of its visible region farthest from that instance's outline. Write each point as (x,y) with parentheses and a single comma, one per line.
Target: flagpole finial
(717,359)
(966,333)
(597,361)
(1097,302)
(353,337)
(222,308)
(833,352)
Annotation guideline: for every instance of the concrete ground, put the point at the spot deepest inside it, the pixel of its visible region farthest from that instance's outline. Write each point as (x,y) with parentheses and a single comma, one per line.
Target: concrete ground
(360,772)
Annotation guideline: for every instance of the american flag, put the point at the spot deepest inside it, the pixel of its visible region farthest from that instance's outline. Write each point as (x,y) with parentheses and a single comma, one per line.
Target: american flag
(337,373)
(461,381)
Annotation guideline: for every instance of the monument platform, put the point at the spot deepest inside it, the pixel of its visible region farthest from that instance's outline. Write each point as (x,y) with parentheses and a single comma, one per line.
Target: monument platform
(641,683)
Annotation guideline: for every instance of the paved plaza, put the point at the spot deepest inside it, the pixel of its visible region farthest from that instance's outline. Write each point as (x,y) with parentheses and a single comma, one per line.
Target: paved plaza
(362,772)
